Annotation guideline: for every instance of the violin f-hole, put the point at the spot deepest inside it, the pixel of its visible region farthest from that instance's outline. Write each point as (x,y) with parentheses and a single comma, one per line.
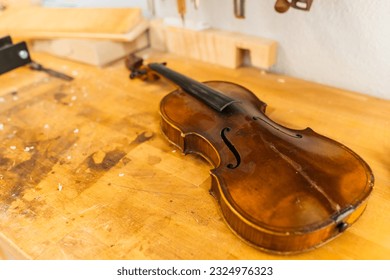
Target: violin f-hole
(231,148)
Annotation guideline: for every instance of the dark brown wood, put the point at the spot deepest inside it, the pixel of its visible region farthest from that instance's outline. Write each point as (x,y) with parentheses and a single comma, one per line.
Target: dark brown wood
(213,98)
(281,190)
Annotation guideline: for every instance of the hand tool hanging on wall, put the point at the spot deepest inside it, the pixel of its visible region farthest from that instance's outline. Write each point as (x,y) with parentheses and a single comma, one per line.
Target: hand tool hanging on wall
(13,56)
(282,6)
(151,7)
(196,4)
(181,8)
(239,8)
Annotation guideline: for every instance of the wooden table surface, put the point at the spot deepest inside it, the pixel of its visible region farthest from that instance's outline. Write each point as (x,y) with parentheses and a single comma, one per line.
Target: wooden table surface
(85,172)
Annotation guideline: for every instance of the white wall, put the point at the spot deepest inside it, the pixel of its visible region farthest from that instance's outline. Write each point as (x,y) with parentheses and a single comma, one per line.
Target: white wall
(343,43)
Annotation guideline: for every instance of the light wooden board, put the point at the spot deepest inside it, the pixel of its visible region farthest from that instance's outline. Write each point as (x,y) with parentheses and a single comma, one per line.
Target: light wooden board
(86,173)
(88,23)
(94,52)
(213,46)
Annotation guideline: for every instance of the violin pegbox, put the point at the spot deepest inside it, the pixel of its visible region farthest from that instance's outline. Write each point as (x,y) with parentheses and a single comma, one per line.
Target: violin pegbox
(138,69)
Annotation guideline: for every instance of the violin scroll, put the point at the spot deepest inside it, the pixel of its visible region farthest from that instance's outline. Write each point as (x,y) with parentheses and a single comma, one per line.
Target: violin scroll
(138,70)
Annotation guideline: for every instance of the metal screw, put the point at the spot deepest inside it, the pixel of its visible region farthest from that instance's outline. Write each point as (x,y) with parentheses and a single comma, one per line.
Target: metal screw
(23,54)
(342,226)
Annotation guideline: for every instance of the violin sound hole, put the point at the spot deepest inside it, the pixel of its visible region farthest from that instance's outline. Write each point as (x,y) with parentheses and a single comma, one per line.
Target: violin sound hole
(231,148)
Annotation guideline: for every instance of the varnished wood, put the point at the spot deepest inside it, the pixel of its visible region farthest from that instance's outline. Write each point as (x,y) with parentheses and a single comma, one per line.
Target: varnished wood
(153,202)
(282,190)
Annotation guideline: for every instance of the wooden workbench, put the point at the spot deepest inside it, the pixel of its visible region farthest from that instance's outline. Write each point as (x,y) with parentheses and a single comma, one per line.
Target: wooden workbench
(85,172)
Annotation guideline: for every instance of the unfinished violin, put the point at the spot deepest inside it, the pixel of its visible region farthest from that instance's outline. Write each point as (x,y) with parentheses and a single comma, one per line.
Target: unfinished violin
(280,189)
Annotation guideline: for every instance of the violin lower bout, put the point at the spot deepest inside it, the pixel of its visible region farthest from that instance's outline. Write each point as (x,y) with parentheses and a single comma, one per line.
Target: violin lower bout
(274,242)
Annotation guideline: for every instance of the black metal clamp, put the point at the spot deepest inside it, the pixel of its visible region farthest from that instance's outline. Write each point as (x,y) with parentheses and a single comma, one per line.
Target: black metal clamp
(12,55)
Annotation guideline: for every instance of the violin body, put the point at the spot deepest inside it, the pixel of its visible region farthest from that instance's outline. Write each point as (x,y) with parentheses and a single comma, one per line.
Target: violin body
(282,190)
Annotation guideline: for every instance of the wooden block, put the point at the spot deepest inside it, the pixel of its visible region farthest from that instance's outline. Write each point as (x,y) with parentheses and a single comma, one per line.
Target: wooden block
(93,23)
(94,52)
(214,46)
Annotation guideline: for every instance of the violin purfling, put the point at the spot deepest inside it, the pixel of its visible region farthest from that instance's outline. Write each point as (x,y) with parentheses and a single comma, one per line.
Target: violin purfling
(279,189)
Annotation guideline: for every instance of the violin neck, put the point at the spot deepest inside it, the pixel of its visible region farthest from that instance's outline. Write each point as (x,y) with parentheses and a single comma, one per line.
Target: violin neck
(211,97)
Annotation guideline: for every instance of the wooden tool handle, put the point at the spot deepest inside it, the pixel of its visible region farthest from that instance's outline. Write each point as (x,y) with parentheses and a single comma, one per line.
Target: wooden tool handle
(181,8)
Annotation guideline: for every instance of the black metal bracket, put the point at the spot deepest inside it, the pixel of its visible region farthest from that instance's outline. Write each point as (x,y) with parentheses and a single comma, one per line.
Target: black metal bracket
(12,55)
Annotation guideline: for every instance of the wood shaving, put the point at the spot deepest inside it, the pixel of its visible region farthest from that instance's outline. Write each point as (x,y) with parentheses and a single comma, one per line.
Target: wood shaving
(27,149)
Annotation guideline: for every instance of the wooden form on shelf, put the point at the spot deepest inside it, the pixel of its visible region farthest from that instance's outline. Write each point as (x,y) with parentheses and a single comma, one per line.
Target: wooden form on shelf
(89,35)
(88,23)
(214,46)
(94,52)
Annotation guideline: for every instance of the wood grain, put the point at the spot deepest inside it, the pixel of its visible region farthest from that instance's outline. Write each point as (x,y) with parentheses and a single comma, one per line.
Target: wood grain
(87,174)
(213,46)
(94,52)
(88,23)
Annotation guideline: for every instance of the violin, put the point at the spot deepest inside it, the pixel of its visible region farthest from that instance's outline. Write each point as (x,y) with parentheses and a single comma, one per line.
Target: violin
(281,190)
